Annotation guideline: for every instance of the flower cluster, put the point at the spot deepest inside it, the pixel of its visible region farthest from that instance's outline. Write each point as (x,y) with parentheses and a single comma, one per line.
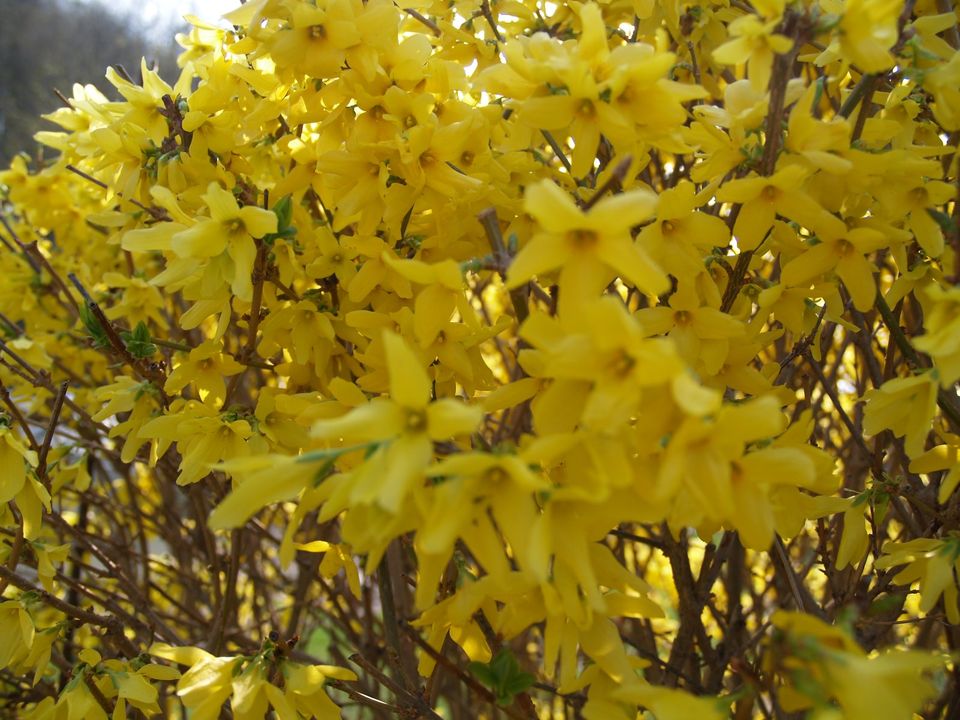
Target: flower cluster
(556,345)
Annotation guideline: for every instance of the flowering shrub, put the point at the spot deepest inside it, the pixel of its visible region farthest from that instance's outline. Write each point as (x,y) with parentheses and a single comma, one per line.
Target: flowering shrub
(485,359)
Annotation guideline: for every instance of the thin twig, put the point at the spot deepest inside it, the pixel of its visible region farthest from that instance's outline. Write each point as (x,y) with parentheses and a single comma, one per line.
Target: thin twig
(613,182)
(434,28)
(51,430)
(558,151)
(491,226)
(156,213)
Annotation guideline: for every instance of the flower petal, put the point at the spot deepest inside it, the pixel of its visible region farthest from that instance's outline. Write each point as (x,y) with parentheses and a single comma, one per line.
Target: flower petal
(448,417)
(257,221)
(223,206)
(541,254)
(409,382)
(633,264)
(553,208)
(205,239)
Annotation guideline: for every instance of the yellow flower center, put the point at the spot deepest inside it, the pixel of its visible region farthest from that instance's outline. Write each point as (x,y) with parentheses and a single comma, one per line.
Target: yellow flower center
(495,476)
(317,32)
(770,193)
(586,109)
(235,226)
(736,472)
(416,421)
(583,239)
(621,364)
(844,247)
(409,121)
(667,227)
(466,158)
(682,318)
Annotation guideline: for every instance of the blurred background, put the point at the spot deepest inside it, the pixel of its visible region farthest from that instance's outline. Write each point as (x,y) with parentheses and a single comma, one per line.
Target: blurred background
(47,44)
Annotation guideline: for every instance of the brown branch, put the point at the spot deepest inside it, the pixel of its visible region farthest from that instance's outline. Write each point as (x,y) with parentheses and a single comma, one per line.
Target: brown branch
(434,28)
(229,598)
(491,226)
(612,183)
(157,213)
(472,683)
(113,626)
(48,436)
(40,258)
(97,695)
(491,20)
(15,549)
(146,371)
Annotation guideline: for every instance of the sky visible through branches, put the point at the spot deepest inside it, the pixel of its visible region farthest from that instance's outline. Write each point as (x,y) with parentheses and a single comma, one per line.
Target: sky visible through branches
(162,14)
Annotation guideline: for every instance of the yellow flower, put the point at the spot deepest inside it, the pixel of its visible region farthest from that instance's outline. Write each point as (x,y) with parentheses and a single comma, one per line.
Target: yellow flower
(17,633)
(463,483)
(941,337)
(140,301)
(820,663)
(755,44)
(854,542)
(19,482)
(277,418)
(912,199)
(680,237)
(941,457)
(934,563)
(865,34)
(138,401)
(259,481)
(405,426)
(304,330)
(843,253)
(205,369)
(14,458)
(763,198)
(706,459)
(943,81)
(702,333)
(667,703)
(206,686)
(229,229)
(905,406)
(589,248)
(315,38)
(303,689)
(203,436)
(337,258)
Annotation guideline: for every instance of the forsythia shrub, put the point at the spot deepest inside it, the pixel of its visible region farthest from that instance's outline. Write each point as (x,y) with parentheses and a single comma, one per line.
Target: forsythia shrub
(493,358)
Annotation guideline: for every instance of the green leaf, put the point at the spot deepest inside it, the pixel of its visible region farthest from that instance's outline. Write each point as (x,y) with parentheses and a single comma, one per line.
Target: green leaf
(503,675)
(319,641)
(333,453)
(138,342)
(100,339)
(946,223)
(519,682)
(483,673)
(284,212)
